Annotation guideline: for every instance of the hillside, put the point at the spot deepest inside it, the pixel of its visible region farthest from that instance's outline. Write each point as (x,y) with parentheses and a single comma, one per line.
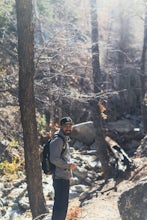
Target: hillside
(64,85)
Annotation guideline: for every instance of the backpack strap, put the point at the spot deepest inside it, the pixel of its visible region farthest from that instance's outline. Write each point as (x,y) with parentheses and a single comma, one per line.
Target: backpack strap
(64,143)
(58,135)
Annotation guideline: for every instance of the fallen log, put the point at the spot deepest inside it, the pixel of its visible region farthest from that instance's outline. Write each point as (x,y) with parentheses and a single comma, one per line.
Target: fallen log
(122,160)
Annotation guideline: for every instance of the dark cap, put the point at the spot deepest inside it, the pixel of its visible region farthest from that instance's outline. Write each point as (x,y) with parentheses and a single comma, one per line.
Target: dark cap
(66,120)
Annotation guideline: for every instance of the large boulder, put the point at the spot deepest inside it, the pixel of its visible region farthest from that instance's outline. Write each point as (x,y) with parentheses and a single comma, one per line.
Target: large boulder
(132,203)
(142,149)
(84,132)
(121,126)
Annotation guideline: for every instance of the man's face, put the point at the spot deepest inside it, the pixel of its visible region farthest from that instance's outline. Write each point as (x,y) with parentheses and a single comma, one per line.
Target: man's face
(66,128)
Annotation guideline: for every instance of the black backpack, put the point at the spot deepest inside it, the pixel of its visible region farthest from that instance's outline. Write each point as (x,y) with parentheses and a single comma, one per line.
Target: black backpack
(47,167)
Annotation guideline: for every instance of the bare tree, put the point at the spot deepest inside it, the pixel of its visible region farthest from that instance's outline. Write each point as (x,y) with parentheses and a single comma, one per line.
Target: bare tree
(144,76)
(27,105)
(95,46)
(101,144)
(100,140)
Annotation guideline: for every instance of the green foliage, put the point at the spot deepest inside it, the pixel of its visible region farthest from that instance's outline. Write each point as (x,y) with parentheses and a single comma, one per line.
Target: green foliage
(41,123)
(13,143)
(45,7)
(10,168)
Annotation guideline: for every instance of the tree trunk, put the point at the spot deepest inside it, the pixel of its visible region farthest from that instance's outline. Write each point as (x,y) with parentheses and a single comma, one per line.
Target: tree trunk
(27,106)
(102,150)
(100,140)
(95,47)
(144,77)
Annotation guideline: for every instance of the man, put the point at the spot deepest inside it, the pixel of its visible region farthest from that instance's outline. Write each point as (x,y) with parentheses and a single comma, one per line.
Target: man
(60,157)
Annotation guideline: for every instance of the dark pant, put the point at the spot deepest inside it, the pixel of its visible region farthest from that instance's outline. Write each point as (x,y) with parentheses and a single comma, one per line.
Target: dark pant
(61,188)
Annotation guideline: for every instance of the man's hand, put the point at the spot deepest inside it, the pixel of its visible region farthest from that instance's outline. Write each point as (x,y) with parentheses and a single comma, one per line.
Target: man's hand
(73,166)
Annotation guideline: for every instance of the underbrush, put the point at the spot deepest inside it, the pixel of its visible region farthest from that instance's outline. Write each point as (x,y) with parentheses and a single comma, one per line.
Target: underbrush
(73,213)
(11,169)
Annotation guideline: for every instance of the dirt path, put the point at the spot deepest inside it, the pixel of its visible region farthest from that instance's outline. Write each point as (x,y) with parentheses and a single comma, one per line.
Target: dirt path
(104,207)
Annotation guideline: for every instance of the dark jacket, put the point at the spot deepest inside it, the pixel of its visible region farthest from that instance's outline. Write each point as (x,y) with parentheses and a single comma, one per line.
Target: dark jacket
(61,159)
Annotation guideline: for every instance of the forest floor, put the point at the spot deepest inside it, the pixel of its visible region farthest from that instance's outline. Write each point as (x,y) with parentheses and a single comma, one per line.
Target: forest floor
(105,205)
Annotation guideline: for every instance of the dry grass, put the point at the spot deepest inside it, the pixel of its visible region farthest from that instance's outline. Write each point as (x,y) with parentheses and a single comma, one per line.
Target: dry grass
(73,213)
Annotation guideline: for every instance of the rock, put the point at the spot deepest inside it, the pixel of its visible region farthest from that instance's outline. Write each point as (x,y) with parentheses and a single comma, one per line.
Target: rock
(84,132)
(48,189)
(80,172)
(92,152)
(79,146)
(51,194)
(142,149)
(88,181)
(3,146)
(86,202)
(74,181)
(79,188)
(83,196)
(24,204)
(93,146)
(132,203)
(121,126)
(2,211)
(92,164)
